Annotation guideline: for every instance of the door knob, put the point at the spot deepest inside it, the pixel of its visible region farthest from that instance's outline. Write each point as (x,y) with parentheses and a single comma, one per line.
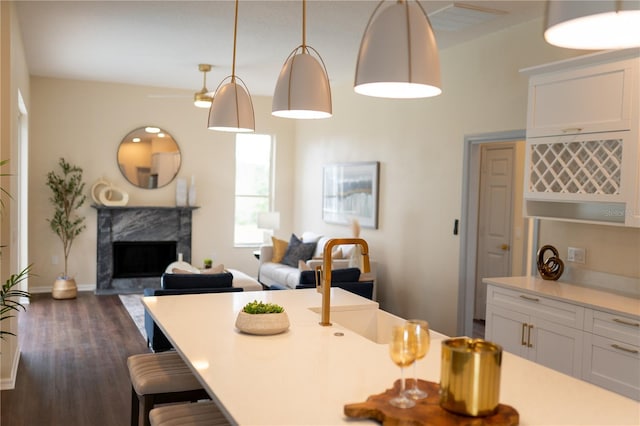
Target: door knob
(505,247)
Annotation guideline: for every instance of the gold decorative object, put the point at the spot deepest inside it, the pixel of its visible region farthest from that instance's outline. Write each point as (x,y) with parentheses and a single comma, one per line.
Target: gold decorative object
(470,376)
(552,267)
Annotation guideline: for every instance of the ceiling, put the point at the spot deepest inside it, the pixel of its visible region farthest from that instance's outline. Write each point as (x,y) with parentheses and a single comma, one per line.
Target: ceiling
(161,43)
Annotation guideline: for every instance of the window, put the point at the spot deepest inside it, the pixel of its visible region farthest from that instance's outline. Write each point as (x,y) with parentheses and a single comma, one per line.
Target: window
(254,186)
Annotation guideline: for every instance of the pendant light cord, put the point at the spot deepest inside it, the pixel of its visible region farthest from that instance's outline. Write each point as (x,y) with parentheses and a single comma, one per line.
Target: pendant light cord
(304,26)
(408,17)
(235,32)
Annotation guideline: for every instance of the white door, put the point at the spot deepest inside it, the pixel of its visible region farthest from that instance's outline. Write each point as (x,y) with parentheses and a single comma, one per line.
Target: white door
(494,219)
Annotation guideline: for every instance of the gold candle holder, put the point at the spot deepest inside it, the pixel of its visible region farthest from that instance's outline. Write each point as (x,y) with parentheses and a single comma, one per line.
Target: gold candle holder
(470,376)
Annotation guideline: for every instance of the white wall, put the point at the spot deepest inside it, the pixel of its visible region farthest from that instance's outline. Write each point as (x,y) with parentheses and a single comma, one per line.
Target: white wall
(84,122)
(14,78)
(420,146)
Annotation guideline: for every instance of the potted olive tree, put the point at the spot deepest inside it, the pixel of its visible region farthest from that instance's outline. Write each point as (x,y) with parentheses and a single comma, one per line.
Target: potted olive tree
(67,197)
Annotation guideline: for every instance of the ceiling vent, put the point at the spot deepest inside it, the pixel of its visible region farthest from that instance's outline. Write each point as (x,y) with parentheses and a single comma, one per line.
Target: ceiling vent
(460,16)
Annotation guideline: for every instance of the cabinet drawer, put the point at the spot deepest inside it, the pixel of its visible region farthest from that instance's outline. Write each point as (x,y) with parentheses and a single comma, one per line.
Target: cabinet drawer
(612,364)
(619,327)
(532,304)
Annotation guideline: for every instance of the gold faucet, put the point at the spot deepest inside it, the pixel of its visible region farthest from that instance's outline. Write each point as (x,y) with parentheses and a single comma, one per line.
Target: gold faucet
(325,287)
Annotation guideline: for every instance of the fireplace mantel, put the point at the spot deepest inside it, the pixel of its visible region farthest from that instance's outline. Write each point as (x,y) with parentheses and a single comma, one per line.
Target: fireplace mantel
(138,224)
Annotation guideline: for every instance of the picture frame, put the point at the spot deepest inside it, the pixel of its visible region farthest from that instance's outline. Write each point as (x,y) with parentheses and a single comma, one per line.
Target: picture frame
(350,191)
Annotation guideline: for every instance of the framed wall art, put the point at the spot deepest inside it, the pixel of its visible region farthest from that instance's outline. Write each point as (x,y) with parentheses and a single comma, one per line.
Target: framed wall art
(350,191)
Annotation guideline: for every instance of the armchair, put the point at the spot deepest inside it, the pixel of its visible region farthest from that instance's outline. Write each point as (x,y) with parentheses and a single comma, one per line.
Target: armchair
(175,284)
(346,278)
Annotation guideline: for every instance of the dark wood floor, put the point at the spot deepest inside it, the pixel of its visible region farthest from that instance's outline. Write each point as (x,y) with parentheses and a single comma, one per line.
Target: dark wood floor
(73,368)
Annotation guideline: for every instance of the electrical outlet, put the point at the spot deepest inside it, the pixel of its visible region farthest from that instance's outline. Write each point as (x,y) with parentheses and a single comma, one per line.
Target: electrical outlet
(54,260)
(576,254)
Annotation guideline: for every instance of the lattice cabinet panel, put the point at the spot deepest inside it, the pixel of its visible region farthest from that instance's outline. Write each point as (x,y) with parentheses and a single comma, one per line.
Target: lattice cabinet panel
(585,167)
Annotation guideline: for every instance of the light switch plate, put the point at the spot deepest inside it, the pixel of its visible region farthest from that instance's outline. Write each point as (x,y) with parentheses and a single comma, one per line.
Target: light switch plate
(576,254)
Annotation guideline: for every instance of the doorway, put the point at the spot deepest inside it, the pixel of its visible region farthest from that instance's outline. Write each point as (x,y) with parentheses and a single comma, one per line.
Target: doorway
(494,235)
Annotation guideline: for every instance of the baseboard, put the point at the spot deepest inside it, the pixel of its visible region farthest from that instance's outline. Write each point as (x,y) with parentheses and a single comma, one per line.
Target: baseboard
(47,289)
(8,383)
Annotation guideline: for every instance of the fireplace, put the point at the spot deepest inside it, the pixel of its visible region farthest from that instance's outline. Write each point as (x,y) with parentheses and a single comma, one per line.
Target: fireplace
(136,244)
(142,258)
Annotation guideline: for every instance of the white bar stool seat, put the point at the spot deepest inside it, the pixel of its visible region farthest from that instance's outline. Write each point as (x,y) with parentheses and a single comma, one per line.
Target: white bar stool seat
(198,414)
(158,378)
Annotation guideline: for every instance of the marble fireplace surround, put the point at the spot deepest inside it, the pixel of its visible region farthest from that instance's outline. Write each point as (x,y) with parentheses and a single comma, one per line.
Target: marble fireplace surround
(134,224)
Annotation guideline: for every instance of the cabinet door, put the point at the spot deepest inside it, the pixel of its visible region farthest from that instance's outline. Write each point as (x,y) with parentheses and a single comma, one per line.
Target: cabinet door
(556,346)
(612,364)
(508,329)
(562,102)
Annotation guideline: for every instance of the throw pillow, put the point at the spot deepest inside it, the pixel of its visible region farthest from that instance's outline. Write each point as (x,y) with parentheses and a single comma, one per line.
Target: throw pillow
(181,271)
(336,253)
(218,269)
(302,265)
(310,237)
(279,249)
(297,250)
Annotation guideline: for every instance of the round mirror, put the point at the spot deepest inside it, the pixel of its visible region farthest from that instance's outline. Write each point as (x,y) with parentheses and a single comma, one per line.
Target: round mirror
(149,157)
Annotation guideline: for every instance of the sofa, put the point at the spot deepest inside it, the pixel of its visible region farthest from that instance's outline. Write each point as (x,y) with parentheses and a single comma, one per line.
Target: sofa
(175,284)
(274,274)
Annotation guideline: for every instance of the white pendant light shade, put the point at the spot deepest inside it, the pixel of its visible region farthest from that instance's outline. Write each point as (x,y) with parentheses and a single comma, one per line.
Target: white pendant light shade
(398,55)
(302,90)
(232,109)
(608,24)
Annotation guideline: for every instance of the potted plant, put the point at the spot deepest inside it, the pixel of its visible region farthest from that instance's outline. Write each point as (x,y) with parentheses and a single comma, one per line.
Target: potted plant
(262,318)
(67,197)
(9,294)
(208,263)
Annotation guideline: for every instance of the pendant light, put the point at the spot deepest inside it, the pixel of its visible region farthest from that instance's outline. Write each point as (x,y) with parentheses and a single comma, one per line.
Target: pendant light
(302,89)
(603,24)
(202,99)
(232,109)
(398,55)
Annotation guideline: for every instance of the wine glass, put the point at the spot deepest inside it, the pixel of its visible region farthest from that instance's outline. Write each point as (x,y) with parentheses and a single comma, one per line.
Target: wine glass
(400,349)
(420,343)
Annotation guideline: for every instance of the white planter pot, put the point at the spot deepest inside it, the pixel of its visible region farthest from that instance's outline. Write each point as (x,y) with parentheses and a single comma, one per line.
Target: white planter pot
(263,324)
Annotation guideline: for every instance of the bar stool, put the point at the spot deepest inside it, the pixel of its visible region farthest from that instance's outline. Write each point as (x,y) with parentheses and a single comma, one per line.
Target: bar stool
(158,378)
(198,414)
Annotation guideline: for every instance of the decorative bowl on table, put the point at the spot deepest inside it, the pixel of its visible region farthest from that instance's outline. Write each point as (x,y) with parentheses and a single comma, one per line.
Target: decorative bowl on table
(262,319)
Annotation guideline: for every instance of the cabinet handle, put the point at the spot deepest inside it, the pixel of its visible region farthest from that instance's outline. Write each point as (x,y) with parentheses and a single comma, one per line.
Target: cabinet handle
(529,344)
(572,130)
(632,324)
(533,299)
(522,341)
(631,351)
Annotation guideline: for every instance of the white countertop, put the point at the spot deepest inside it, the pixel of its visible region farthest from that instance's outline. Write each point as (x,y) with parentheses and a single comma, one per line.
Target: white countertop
(566,292)
(306,375)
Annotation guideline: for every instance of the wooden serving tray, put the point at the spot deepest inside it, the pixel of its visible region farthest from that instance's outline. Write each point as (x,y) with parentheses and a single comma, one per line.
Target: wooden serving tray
(426,412)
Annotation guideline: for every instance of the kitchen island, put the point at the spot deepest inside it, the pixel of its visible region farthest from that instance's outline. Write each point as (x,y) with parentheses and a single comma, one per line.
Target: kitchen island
(306,375)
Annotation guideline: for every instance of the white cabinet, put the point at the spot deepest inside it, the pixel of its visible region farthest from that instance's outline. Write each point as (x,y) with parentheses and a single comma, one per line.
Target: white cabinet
(582,156)
(584,95)
(595,345)
(540,329)
(612,352)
